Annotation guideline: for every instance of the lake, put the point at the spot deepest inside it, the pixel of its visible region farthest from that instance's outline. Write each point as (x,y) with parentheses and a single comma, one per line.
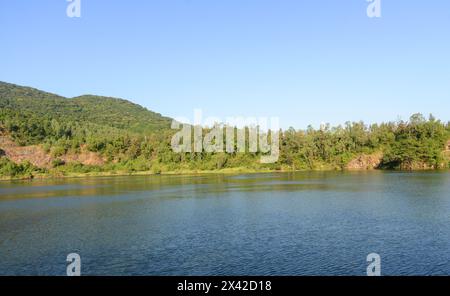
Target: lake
(306,223)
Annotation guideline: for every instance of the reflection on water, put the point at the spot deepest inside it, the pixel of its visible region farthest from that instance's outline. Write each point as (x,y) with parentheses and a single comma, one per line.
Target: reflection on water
(261,224)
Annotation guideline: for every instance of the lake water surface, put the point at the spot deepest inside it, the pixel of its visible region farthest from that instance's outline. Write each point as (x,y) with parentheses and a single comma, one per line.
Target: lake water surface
(316,223)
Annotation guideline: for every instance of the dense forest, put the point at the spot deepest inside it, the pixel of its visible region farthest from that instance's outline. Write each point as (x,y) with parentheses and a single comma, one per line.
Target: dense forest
(127,138)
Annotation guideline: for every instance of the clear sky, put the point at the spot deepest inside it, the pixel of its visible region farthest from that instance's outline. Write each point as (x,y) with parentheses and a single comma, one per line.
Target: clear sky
(305,61)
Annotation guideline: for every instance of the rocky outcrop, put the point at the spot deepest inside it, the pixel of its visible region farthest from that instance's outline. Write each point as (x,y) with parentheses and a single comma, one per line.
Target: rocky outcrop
(366,161)
(447,155)
(85,157)
(36,155)
(19,154)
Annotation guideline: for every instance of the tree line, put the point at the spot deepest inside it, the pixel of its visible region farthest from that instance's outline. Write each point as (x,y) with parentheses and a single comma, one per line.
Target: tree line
(131,138)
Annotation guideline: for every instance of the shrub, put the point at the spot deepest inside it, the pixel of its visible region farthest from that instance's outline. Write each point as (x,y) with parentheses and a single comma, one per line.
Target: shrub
(58,162)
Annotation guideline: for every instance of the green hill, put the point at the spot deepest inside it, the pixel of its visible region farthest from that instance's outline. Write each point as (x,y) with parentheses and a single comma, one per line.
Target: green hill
(71,129)
(106,111)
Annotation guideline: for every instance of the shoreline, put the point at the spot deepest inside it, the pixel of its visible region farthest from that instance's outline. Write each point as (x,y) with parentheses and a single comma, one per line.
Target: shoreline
(231,171)
(143,173)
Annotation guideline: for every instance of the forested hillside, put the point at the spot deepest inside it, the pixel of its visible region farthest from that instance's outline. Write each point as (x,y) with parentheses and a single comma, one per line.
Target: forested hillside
(46,134)
(33,112)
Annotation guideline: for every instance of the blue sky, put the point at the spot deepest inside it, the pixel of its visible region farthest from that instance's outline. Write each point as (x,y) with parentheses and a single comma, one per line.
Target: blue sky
(305,61)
